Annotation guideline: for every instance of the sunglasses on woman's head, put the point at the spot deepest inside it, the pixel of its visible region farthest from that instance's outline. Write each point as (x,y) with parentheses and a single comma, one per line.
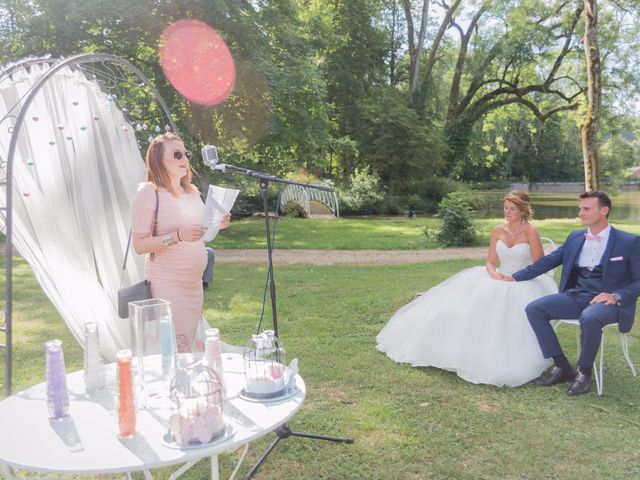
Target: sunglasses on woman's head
(177,155)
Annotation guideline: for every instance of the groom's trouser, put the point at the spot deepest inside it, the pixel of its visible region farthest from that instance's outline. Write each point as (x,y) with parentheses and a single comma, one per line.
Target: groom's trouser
(570,305)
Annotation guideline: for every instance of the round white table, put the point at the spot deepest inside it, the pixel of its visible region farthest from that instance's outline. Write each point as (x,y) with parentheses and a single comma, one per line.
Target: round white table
(86,442)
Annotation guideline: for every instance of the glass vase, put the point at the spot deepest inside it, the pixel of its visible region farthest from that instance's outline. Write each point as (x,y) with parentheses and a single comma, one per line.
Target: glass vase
(57,393)
(154,347)
(212,357)
(126,405)
(93,365)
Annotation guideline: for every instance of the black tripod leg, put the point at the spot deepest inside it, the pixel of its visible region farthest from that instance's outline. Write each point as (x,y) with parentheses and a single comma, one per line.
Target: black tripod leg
(284,431)
(321,437)
(255,468)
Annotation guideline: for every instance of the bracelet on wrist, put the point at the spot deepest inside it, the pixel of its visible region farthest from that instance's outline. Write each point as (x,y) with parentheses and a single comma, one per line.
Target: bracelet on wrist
(167,240)
(178,235)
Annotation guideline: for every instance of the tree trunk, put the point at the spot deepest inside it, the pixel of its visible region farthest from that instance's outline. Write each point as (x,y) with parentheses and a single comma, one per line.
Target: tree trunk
(589,127)
(416,61)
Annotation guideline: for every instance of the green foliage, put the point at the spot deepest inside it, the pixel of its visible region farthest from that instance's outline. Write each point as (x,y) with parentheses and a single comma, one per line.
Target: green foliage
(323,85)
(457,228)
(620,151)
(393,205)
(363,192)
(402,165)
(434,189)
(405,204)
(354,58)
(509,146)
(294,209)
(343,151)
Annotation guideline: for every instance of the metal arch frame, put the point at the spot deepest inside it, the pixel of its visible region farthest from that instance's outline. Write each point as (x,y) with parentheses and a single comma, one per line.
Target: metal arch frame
(26,102)
(10,70)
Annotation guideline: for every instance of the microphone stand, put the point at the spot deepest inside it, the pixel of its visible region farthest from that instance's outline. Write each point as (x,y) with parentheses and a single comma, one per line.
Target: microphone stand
(283,431)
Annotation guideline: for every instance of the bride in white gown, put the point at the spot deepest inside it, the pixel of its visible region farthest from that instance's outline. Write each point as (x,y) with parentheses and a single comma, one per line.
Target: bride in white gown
(473,323)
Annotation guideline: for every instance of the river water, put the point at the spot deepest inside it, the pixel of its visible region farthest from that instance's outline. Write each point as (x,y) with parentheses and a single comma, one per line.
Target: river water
(626,205)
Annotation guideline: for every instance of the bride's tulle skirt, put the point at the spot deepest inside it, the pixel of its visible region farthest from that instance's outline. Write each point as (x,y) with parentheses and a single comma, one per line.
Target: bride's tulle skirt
(473,325)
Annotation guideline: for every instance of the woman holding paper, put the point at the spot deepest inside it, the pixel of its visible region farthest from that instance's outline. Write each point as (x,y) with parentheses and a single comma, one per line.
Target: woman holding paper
(176,255)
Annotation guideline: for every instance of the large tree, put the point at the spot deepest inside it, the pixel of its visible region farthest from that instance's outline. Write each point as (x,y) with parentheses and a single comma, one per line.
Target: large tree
(277,115)
(505,54)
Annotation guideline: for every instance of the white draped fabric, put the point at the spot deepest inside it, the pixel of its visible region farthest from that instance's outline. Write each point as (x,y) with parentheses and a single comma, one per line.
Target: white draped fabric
(76,169)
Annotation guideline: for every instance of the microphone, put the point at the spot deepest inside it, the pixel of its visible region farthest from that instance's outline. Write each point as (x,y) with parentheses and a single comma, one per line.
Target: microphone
(210,156)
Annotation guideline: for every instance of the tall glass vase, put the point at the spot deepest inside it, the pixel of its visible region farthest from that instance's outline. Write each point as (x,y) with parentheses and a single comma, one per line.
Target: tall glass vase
(126,405)
(93,365)
(212,357)
(57,393)
(154,347)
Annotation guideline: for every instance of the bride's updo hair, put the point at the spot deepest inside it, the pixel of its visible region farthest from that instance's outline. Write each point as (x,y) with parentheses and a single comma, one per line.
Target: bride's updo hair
(520,199)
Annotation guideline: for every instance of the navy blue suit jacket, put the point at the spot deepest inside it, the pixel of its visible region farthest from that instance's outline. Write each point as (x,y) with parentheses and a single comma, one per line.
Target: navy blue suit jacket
(620,269)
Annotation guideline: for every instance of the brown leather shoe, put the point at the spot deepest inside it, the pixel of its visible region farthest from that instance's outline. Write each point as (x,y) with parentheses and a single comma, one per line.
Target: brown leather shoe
(556,375)
(581,384)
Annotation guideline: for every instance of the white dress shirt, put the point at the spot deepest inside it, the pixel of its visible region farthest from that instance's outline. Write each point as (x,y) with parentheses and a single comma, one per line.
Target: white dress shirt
(592,250)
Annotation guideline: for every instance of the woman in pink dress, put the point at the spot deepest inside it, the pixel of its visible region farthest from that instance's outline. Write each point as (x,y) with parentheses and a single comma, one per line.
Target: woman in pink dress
(176,254)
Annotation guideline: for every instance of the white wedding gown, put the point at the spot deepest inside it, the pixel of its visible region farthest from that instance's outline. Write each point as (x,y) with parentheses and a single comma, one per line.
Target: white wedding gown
(473,325)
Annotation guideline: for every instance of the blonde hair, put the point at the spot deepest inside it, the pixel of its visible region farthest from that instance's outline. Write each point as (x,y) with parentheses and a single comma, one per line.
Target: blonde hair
(156,173)
(521,200)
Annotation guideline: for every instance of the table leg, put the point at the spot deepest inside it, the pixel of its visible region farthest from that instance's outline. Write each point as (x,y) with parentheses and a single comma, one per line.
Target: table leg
(215,474)
(7,471)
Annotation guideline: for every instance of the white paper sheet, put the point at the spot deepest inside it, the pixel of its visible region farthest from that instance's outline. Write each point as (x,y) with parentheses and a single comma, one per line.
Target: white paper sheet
(219,202)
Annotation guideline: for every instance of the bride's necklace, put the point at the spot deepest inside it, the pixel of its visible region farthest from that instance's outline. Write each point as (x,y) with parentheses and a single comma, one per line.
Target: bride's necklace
(513,234)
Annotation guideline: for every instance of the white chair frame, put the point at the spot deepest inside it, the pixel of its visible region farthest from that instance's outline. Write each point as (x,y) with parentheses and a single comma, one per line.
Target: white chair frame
(598,362)
(548,246)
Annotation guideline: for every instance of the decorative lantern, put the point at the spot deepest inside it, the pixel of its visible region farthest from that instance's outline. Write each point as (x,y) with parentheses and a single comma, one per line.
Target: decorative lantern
(265,363)
(196,406)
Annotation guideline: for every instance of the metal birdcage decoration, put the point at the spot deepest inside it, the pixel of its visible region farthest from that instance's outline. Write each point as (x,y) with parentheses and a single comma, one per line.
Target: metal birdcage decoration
(265,363)
(196,406)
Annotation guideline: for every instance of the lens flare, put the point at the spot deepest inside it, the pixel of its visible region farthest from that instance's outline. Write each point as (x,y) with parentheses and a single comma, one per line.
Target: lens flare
(197,62)
(246,116)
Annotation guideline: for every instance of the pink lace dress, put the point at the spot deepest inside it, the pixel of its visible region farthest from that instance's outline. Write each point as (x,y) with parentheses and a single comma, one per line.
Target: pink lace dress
(175,272)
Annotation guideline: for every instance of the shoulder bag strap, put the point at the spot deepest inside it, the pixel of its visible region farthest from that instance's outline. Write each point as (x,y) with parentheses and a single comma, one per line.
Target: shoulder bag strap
(155,226)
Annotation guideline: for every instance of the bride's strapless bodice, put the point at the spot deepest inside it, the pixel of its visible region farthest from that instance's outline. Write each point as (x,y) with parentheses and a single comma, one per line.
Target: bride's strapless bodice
(514,258)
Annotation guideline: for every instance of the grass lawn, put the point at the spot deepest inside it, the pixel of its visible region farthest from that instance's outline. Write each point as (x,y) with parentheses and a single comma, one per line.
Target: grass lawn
(408,423)
(364,233)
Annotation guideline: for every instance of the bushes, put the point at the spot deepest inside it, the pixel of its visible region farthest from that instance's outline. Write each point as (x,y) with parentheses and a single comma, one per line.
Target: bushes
(457,228)
(294,209)
(434,189)
(363,192)
(424,200)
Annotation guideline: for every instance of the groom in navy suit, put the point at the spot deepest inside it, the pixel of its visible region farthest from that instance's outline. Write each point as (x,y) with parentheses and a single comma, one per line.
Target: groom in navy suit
(599,285)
